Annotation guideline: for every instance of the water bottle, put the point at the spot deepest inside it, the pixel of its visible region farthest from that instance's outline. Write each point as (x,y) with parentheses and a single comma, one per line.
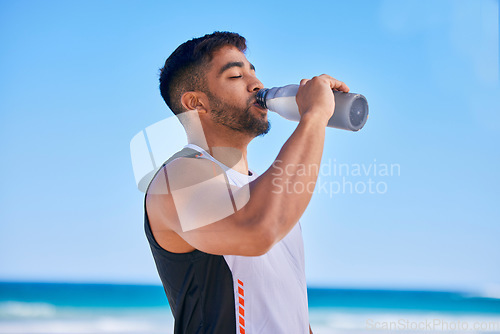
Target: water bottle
(351,110)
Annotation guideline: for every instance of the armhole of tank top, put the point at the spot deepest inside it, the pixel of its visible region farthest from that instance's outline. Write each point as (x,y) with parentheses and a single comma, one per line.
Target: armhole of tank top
(147,222)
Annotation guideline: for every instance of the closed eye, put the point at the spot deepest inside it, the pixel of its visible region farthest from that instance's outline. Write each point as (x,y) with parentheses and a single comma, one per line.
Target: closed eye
(235,77)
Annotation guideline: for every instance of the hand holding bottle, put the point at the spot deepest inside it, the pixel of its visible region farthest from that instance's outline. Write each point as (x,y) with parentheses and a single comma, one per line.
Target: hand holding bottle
(350,111)
(315,96)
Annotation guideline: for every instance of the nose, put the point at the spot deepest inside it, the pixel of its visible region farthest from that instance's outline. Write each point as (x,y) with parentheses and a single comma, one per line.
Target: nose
(255,85)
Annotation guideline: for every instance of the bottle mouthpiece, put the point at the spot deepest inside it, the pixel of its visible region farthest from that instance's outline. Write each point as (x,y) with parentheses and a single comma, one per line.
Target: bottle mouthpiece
(261,97)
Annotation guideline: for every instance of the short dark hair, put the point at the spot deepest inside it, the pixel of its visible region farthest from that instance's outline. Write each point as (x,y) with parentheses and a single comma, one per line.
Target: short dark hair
(184,70)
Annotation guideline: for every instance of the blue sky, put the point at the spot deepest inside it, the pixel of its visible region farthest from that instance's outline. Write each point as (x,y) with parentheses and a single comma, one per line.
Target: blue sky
(79,79)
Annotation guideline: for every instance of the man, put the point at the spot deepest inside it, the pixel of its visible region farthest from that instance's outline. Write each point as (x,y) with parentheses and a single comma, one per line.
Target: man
(227,245)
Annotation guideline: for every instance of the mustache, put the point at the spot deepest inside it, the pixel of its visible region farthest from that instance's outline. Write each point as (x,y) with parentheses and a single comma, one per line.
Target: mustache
(252,100)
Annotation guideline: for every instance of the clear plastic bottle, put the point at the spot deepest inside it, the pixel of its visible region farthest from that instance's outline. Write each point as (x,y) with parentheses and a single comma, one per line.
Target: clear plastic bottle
(351,110)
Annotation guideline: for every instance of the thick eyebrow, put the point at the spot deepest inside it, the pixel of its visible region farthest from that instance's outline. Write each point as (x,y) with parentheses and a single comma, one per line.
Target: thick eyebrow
(234,64)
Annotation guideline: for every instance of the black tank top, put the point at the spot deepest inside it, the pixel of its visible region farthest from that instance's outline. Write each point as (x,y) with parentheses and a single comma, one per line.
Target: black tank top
(199,286)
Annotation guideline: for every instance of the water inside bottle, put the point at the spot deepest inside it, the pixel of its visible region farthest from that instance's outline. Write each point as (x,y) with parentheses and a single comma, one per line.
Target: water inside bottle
(286,106)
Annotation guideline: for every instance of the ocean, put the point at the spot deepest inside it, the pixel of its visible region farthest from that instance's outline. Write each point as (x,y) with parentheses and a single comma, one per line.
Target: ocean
(143,309)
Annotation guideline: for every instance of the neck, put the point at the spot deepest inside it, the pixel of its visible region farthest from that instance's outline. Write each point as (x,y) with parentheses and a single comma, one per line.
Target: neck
(224,144)
(230,148)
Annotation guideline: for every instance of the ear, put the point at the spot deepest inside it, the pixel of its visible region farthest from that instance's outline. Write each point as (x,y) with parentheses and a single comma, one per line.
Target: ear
(194,101)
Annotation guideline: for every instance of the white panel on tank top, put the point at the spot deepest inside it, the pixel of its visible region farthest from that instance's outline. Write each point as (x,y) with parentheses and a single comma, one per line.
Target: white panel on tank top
(274,284)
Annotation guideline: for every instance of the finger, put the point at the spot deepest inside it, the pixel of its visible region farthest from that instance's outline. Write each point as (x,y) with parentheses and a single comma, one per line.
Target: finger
(303,81)
(336,84)
(339,85)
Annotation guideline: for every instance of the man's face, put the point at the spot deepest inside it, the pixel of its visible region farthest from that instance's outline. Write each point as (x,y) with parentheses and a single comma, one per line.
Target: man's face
(232,86)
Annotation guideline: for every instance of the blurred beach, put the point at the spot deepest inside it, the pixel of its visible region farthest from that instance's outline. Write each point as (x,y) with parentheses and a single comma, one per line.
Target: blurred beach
(143,309)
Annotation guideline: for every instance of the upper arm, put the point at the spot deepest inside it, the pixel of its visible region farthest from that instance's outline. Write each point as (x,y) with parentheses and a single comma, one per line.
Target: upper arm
(192,197)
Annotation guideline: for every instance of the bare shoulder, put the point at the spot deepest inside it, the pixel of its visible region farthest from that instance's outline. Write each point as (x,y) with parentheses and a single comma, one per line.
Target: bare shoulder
(191,205)
(175,185)
(182,173)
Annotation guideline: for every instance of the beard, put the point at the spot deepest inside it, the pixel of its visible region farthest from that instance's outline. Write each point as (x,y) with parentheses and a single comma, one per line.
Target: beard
(237,119)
